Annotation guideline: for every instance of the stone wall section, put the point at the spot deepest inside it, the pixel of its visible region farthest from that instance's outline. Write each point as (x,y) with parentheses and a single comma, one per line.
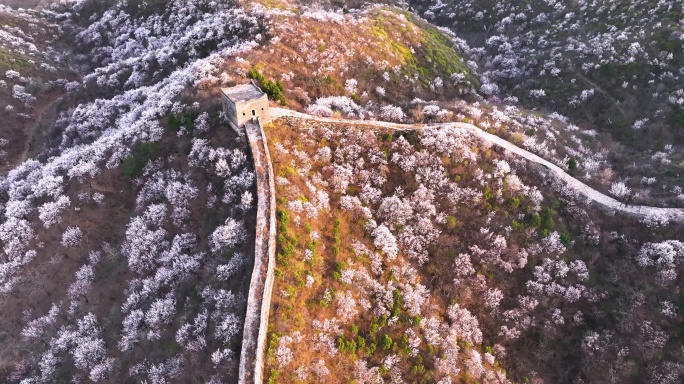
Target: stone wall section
(261,285)
(231,113)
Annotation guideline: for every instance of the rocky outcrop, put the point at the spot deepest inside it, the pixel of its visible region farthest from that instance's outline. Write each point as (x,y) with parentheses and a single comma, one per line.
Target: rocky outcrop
(261,285)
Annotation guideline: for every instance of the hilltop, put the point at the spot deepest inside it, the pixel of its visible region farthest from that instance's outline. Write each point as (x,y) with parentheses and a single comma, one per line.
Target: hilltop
(357,64)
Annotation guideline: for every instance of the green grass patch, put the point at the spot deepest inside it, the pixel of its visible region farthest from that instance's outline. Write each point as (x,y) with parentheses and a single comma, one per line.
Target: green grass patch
(286,242)
(436,57)
(14,61)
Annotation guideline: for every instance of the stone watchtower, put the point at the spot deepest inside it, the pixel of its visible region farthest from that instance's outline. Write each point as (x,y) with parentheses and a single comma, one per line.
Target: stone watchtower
(243,103)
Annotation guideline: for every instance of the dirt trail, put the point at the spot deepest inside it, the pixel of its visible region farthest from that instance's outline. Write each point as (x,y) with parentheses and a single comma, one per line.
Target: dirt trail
(600,89)
(590,194)
(31,130)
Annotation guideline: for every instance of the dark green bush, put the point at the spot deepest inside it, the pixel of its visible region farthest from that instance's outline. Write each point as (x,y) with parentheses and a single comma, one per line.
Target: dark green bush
(286,242)
(676,119)
(373,328)
(348,346)
(387,342)
(547,218)
(516,226)
(566,240)
(272,344)
(419,366)
(535,220)
(360,342)
(404,342)
(134,164)
(274,89)
(487,193)
(255,74)
(187,118)
(395,309)
(430,349)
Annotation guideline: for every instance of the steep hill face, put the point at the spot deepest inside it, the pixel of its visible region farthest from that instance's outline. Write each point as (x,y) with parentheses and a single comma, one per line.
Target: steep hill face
(128,207)
(127,227)
(610,70)
(615,68)
(629,53)
(126,238)
(548,97)
(33,77)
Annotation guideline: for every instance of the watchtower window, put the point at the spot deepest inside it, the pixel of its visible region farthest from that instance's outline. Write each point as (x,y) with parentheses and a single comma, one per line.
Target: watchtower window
(253,112)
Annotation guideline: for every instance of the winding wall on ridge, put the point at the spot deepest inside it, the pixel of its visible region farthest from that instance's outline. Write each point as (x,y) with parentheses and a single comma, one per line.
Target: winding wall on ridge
(589,194)
(261,284)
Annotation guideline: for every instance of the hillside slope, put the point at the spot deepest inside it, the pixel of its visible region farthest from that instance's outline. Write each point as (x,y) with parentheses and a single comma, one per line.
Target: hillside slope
(358,64)
(430,256)
(128,207)
(33,77)
(615,69)
(643,167)
(126,236)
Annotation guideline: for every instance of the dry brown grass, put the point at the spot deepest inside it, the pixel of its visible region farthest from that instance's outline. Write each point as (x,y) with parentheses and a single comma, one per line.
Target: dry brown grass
(295,307)
(314,58)
(297,311)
